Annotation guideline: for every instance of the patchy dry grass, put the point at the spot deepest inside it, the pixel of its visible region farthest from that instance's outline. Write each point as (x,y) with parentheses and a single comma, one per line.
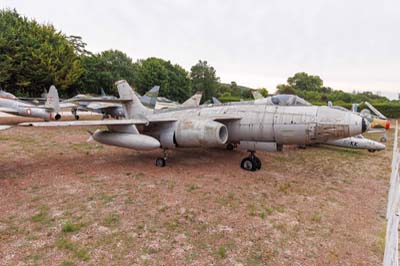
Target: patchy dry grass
(68,202)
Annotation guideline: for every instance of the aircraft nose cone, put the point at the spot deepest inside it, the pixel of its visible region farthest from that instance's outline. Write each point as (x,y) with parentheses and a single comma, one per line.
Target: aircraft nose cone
(387,126)
(363,125)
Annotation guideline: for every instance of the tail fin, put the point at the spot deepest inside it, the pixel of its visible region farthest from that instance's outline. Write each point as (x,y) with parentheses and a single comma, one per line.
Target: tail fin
(193,101)
(216,101)
(257,95)
(133,108)
(53,101)
(102,92)
(150,98)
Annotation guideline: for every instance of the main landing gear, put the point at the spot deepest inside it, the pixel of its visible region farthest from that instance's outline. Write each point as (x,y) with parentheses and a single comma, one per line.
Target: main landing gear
(162,161)
(231,146)
(251,163)
(74,113)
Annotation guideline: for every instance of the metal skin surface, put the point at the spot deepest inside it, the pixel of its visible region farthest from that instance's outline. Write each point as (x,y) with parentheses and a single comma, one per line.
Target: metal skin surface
(47,112)
(126,140)
(280,124)
(358,142)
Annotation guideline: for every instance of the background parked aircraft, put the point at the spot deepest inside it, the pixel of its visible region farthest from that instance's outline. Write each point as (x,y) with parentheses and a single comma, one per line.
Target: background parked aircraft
(49,111)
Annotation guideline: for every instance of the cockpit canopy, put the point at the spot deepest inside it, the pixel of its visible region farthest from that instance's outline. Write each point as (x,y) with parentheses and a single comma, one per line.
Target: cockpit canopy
(284,100)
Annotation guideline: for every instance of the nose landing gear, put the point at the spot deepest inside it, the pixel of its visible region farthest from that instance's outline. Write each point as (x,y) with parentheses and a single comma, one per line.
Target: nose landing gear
(251,163)
(162,161)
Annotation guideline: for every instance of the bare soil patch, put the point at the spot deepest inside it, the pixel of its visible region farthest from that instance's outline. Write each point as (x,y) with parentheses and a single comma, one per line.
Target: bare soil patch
(68,202)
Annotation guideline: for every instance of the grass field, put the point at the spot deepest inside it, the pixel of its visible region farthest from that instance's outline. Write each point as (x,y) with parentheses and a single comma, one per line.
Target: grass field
(68,202)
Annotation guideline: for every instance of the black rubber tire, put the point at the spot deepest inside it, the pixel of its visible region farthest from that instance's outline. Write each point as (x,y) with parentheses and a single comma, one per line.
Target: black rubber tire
(248,164)
(371,150)
(160,162)
(257,162)
(77,117)
(383,139)
(230,146)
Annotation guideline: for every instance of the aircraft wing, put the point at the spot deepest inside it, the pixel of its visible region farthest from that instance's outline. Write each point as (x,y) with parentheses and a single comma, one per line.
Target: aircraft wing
(124,122)
(99,100)
(67,105)
(102,105)
(8,110)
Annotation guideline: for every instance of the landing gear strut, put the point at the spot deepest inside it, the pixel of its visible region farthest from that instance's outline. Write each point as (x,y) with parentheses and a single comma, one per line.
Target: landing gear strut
(162,161)
(251,163)
(74,113)
(231,146)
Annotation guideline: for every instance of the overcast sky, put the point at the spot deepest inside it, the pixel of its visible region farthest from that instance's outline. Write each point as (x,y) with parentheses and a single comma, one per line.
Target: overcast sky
(350,44)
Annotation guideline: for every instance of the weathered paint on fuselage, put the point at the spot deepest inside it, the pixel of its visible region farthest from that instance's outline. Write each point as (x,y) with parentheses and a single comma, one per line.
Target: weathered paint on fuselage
(26,109)
(265,123)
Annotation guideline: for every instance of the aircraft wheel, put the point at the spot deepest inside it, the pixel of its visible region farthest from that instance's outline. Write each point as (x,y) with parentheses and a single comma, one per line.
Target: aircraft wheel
(160,162)
(77,117)
(248,164)
(383,139)
(257,162)
(230,147)
(371,150)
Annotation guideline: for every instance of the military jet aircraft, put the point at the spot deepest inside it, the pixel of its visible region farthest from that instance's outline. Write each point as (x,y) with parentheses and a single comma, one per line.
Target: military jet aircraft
(49,111)
(83,102)
(254,127)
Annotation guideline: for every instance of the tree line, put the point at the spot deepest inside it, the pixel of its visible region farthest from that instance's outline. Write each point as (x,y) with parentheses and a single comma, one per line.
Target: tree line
(34,56)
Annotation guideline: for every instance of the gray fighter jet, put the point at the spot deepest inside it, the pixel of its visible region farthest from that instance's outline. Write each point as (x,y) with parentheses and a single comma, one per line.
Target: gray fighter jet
(253,127)
(49,111)
(83,102)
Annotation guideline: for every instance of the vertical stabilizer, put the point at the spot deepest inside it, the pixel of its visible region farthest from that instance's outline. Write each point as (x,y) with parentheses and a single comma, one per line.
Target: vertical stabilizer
(53,101)
(150,98)
(193,101)
(257,95)
(133,108)
(216,101)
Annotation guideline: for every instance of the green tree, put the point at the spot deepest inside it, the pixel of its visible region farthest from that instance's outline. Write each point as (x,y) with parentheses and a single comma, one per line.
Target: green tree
(263,92)
(305,82)
(173,79)
(285,89)
(34,56)
(102,70)
(204,79)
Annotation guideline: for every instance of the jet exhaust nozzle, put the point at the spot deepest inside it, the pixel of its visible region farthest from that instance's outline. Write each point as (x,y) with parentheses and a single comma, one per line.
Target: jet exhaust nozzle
(364,125)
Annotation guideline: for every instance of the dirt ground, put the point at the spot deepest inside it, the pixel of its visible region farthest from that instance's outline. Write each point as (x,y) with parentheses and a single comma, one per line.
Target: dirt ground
(64,201)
